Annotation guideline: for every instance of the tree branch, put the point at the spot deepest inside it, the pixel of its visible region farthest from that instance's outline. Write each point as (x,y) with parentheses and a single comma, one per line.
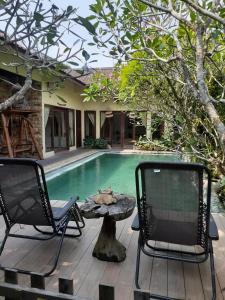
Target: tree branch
(204,12)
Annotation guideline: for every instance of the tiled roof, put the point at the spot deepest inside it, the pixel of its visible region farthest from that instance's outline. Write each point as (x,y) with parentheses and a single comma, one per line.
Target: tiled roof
(87,78)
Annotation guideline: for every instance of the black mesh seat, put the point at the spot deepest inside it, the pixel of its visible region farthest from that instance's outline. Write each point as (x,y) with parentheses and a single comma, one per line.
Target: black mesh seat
(24,200)
(173,207)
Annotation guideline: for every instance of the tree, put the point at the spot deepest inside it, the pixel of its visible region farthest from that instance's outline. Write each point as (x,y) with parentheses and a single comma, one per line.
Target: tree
(35,38)
(139,87)
(185,39)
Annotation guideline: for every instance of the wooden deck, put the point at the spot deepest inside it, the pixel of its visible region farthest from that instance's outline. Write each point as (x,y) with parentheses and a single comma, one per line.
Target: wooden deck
(169,278)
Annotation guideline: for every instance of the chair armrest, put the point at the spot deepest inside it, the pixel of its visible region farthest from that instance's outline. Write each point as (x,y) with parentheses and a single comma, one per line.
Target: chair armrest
(74,198)
(135,225)
(213,231)
(60,212)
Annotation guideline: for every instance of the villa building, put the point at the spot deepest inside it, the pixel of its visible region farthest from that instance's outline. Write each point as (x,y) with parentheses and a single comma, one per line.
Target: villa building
(59,117)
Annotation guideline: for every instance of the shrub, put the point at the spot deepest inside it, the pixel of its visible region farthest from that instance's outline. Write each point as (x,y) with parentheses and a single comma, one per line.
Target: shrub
(145,144)
(100,143)
(88,142)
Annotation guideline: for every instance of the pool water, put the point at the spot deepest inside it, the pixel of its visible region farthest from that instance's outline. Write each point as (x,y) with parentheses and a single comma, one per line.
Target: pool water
(107,170)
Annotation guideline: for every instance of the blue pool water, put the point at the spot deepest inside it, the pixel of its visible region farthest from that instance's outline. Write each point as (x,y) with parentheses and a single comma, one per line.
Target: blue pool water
(107,170)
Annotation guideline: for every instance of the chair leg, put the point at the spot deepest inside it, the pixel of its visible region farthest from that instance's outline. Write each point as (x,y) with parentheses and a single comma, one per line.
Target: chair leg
(212,267)
(58,252)
(74,216)
(78,215)
(138,264)
(4,240)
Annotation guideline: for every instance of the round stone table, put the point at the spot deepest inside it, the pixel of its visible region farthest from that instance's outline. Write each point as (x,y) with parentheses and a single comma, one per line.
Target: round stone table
(108,247)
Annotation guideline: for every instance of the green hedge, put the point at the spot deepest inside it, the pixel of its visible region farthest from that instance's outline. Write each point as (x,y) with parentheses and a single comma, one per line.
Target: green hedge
(95,143)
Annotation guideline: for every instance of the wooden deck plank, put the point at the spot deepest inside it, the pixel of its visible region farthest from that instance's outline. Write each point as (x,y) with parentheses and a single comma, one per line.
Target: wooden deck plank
(159,278)
(96,271)
(192,278)
(145,271)
(75,259)
(193,285)
(176,286)
(175,279)
(112,269)
(219,252)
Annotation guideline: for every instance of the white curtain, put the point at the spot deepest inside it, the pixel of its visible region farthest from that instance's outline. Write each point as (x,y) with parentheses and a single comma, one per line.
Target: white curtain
(46,115)
(103,117)
(91,118)
(71,131)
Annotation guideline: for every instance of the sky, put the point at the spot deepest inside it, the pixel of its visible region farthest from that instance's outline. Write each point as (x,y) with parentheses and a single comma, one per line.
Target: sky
(83,10)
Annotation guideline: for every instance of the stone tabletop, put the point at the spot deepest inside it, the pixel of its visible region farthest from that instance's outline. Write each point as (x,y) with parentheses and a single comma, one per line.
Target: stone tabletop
(117,211)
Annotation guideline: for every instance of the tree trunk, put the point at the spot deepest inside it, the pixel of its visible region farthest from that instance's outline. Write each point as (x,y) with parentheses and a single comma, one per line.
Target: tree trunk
(205,98)
(20,94)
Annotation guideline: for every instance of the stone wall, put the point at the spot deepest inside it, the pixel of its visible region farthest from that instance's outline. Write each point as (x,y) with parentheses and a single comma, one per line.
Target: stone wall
(32,101)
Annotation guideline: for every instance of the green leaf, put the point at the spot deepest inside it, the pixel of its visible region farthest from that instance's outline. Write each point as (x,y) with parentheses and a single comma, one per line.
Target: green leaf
(73,63)
(69,9)
(85,22)
(54,7)
(86,55)
(19,21)
(61,98)
(43,41)
(38,17)
(113,52)
(193,16)
(50,37)
(95,39)
(66,49)
(129,36)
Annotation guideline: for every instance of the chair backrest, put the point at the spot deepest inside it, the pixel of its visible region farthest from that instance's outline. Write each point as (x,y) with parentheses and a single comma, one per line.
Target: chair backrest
(171,204)
(23,193)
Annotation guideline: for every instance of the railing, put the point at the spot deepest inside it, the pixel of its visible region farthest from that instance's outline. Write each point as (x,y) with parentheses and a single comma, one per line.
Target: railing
(11,290)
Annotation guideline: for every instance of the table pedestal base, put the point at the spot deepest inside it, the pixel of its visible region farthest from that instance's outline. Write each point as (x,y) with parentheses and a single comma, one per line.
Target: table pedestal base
(108,248)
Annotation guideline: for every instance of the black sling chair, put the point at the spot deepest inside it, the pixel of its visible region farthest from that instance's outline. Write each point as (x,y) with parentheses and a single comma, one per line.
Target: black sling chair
(173,208)
(24,200)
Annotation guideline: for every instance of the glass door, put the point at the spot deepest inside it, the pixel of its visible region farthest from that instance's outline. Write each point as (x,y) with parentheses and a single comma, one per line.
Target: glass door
(60,132)
(57,128)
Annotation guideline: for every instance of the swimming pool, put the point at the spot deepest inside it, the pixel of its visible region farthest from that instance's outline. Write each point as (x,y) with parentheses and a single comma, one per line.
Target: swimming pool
(106,170)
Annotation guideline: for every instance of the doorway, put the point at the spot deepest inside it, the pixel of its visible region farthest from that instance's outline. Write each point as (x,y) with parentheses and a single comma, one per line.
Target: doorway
(59,128)
(121,128)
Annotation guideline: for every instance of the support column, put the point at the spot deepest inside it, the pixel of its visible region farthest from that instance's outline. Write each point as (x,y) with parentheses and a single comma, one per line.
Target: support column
(98,124)
(122,128)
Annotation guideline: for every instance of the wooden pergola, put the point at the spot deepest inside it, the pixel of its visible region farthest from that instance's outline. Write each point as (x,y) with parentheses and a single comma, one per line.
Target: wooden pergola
(21,137)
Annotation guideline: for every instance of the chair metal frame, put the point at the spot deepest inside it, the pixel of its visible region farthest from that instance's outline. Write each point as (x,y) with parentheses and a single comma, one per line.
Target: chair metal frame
(58,225)
(138,223)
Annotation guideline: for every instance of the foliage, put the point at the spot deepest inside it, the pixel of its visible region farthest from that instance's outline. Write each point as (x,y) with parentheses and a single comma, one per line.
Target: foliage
(34,40)
(99,143)
(103,88)
(148,145)
(180,49)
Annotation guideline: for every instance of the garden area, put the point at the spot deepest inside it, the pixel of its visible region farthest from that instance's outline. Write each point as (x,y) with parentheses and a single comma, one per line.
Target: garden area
(170,63)
(164,96)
